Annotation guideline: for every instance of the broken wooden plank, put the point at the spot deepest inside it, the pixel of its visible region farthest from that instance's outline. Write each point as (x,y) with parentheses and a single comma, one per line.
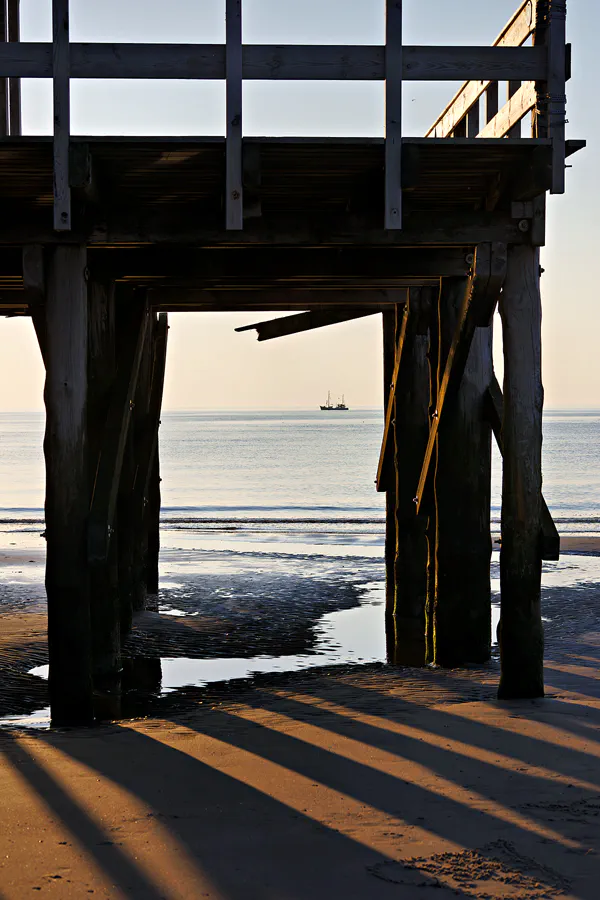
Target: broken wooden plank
(481,296)
(384,455)
(106,485)
(549,536)
(306,321)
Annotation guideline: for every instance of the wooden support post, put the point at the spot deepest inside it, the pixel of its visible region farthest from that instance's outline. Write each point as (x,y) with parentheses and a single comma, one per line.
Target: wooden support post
(106,637)
(151,486)
(389,354)
(462,605)
(14,84)
(551,110)
(411,429)
(393,115)
(154,502)
(513,88)
(67,488)
(4,103)
(234,193)
(520,632)
(426,503)
(61,67)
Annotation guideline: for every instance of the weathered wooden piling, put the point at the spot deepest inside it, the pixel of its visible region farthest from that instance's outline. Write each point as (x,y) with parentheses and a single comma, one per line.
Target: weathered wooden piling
(521,636)
(411,427)
(67,487)
(428,503)
(105,617)
(389,355)
(463,496)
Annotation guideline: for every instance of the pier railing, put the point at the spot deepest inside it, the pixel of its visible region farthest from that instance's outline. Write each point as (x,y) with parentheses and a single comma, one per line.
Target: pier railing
(535,74)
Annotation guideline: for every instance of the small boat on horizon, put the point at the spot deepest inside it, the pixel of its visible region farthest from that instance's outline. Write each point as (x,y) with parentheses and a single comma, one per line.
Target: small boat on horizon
(330,407)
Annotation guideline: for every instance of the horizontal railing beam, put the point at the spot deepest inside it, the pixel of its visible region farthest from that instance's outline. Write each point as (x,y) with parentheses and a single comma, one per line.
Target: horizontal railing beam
(308,63)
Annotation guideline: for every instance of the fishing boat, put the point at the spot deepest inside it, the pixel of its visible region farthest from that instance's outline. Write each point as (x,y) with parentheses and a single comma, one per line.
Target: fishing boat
(330,407)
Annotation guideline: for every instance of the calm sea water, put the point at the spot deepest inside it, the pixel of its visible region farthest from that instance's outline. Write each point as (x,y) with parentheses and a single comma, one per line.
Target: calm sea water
(281,473)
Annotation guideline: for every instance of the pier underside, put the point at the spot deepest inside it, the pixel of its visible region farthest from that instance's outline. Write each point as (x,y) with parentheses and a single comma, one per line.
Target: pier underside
(101,237)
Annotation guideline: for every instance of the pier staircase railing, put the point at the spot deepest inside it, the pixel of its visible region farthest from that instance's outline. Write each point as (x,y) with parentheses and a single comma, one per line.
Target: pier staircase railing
(530,55)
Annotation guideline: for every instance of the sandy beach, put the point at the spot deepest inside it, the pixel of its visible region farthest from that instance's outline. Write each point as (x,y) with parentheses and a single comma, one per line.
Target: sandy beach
(362,781)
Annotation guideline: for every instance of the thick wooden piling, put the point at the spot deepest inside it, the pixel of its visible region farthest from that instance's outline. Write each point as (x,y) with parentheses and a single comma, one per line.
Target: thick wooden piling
(411,428)
(462,607)
(106,638)
(428,507)
(151,488)
(389,353)
(67,487)
(520,632)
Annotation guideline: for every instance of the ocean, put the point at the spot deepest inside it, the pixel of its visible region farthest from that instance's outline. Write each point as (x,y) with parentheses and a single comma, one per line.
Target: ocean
(271,521)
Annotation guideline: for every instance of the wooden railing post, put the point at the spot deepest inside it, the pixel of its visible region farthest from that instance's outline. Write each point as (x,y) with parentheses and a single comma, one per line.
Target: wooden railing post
(551,109)
(13,25)
(61,64)
(3,81)
(234,193)
(393,115)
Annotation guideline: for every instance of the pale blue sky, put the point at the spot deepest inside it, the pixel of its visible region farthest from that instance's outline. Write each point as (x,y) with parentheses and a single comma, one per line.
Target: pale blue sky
(298,371)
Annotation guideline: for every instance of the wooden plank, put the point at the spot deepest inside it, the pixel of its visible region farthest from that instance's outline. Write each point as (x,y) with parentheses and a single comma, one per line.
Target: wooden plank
(272,63)
(177,299)
(549,536)
(62,114)
(306,321)
(386,444)
(67,488)
(520,633)
(14,87)
(480,298)
(234,190)
(393,115)
(522,102)
(106,486)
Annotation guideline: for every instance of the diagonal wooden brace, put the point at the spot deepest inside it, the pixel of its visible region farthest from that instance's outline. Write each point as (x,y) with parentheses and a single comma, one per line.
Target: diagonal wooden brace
(481,296)
(549,536)
(306,321)
(386,444)
(108,474)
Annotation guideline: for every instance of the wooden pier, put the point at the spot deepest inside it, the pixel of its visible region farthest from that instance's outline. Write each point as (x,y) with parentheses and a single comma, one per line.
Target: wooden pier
(101,237)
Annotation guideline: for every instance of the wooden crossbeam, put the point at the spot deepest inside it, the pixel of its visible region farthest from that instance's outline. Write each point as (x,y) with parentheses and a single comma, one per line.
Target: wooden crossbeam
(278,63)
(181,299)
(110,463)
(521,26)
(549,536)
(386,443)
(306,321)
(481,296)
(521,102)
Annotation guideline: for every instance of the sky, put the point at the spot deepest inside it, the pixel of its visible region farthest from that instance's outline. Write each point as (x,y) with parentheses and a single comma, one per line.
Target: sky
(209,366)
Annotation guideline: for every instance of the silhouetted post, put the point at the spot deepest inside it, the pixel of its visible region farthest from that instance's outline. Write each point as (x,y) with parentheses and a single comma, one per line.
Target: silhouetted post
(106,639)
(389,353)
(67,487)
(429,502)
(411,429)
(521,634)
(463,499)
